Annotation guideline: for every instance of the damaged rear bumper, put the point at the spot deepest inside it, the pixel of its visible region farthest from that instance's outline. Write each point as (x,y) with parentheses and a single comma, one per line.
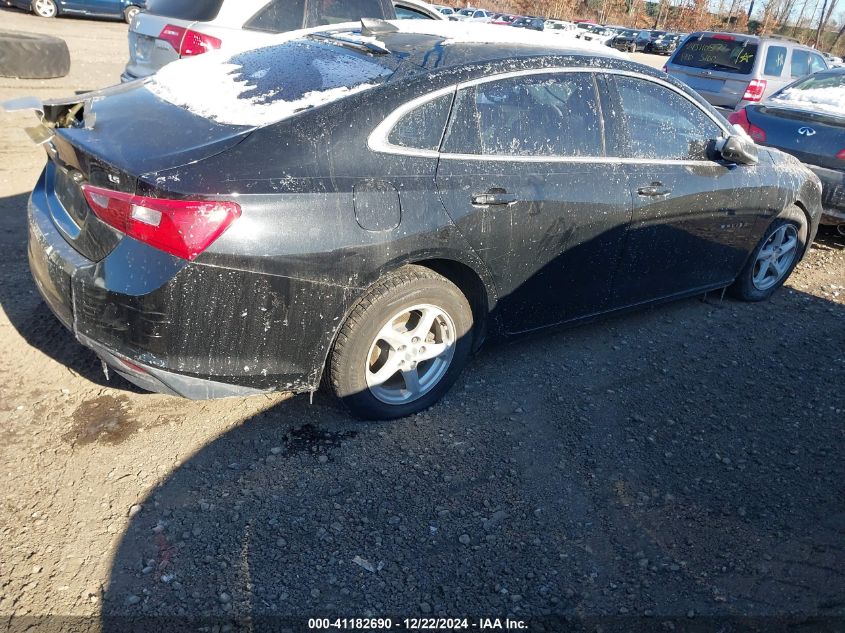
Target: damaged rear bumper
(178,327)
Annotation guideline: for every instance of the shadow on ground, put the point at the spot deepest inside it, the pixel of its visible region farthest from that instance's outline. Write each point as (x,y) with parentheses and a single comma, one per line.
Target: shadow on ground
(681,461)
(618,470)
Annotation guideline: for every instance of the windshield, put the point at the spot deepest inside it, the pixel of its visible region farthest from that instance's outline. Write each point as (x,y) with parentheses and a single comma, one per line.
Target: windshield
(718,52)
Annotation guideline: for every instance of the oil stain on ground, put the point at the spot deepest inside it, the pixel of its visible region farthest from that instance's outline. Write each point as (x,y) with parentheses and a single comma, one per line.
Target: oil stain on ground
(106,420)
(309,439)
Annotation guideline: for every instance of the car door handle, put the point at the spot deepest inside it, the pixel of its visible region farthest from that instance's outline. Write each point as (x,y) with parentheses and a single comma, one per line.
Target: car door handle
(493,197)
(654,190)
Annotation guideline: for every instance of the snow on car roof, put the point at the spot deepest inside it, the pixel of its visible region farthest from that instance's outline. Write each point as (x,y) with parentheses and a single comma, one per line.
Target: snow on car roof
(483,33)
(259,85)
(829,100)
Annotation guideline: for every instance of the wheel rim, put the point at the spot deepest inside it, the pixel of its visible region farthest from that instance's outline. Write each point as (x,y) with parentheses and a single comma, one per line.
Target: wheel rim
(131,13)
(410,354)
(45,8)
(775,258)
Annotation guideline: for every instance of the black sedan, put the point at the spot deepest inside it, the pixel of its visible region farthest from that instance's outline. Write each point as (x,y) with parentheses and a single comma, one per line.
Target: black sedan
(633,40)
(364,206)
(807,120)
(665,44)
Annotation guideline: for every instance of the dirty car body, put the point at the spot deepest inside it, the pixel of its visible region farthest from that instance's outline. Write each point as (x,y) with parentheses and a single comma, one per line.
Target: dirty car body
(331,199)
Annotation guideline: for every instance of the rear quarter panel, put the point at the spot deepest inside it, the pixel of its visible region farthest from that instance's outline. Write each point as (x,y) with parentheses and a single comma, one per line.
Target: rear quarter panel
(299,224)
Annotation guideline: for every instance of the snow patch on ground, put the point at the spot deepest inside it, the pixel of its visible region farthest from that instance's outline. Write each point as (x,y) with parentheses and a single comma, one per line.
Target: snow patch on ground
(830,99)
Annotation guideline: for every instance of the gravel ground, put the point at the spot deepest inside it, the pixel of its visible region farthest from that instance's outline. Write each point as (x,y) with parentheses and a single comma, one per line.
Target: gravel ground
(682,461)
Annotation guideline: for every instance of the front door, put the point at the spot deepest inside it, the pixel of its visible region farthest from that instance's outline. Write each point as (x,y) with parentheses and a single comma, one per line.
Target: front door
(524,176)
(693,217)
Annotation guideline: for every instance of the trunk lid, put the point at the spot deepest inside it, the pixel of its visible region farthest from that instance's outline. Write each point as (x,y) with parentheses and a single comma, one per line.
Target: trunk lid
(813,138)
(126,135)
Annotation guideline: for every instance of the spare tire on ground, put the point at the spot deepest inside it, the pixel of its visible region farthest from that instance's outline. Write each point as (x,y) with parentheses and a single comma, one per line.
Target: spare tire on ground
(33,56)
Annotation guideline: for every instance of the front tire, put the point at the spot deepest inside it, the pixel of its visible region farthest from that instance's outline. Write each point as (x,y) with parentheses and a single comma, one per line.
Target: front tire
(45,8)
(774,258)
(403,346)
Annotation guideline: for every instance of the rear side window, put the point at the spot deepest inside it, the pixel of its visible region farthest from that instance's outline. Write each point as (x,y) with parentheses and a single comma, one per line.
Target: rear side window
(193,10)
(279,16)
(724,54)
(288,15)
(422,128)
(661,123)
(775,61)
(537,115)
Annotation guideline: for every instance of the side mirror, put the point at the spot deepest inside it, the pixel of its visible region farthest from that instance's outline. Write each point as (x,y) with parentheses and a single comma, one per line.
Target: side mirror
(737,149)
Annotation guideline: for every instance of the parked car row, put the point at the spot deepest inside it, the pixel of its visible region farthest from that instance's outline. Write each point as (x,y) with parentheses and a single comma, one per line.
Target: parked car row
(121,9)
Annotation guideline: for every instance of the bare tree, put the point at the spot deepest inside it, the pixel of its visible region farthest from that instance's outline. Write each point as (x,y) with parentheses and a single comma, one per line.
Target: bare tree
(824,19)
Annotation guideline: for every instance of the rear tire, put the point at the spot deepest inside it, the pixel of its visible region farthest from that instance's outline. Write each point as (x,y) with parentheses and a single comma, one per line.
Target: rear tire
(403,346)
(774,258)
(33,56)
(45,8)
(130,12)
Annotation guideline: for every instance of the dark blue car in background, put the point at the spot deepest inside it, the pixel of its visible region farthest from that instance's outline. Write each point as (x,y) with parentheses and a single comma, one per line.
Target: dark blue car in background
(123,9)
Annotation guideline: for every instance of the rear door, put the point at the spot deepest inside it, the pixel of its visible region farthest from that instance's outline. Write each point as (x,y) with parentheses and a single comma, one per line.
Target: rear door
(717,66)
(693,217)
(523,175)
(95,7)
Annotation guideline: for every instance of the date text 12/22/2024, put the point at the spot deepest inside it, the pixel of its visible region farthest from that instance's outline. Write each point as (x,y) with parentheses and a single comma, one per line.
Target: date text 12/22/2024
(417,624)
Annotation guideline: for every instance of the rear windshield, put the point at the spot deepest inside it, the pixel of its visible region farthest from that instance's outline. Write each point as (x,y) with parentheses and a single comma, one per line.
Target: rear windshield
(265,85)
(718,53)
(193,10)
(823,93)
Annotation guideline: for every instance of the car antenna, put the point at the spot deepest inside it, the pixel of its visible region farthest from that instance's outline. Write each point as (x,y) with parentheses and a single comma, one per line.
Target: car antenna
(370,27)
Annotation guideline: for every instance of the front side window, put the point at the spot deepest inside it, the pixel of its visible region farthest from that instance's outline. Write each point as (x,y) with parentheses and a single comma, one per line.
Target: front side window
(775,61)
(661,123)
(817,63)
(800,63)
(407,13)
(535,115)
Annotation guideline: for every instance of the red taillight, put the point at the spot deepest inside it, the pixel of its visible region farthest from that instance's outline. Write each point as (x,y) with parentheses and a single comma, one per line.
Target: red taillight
(187,42)
(841,154)
(184,228)
(740,118)
(722,36)
(755,90)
